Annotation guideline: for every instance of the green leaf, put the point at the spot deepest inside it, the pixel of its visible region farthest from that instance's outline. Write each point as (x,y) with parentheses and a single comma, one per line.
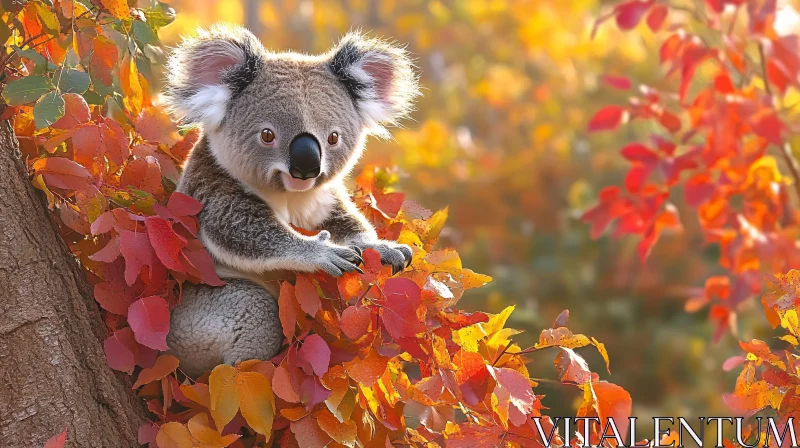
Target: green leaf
(143,33)
(48,110)
(160,15)
(26,90)
(73,81)
(94,98)
(37,59)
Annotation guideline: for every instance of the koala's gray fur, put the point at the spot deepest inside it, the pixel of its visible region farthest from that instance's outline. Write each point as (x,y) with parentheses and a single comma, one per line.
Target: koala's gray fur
(227,82)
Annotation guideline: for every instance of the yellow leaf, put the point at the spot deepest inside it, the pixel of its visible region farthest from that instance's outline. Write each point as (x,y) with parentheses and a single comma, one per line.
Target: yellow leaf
(208,437)
(257,401)
(602,349)
(445,261)
(468,337)
(435,225)
(131,87)
(38,183)
(174,435)
(223,394)
(498,321)
(117,8)
(471,279)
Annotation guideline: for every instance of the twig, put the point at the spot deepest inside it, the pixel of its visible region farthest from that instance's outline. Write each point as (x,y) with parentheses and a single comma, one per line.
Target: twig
(786,148)
(501,353)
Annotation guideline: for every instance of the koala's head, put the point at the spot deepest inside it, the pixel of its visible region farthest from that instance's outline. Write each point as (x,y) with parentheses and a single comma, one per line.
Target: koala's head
(286,121)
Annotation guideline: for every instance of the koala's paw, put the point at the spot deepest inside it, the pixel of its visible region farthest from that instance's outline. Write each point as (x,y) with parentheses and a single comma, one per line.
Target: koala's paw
(398,256)
(335,259)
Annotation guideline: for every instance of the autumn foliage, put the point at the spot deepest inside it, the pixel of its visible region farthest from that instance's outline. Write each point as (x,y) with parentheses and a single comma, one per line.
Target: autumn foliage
(370,359)
(721,142)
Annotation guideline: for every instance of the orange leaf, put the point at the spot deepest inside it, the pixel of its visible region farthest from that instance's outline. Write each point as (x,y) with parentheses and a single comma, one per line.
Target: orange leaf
(366,371)
(342,432)
(307,295)
(174,435)
(283,386)
(257,401)
(165,364)
(198,427)
(287,310)
(224,397)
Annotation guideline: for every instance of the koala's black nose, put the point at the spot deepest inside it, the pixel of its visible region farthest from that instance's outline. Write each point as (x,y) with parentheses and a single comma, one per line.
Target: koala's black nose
(304,157)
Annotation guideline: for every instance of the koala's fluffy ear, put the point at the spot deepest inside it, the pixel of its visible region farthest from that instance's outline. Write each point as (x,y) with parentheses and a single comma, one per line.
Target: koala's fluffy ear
(379,77)
(206,71)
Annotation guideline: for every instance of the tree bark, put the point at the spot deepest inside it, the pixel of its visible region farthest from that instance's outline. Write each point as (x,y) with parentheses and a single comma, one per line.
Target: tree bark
(53,372)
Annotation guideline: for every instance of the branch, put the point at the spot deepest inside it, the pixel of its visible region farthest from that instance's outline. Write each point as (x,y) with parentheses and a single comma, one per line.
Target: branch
(786,148)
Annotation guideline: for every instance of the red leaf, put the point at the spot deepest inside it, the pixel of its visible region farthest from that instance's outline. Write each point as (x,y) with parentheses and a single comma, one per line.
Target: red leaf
(609,117)
(355,321)
(401,316)
(143,174)
(636,177)
(670,121)
(137,251)
(103,224)
(120,350)
(114,296)
(117,147)
(698,189)
(108,253)
(519,393)
(656,17)
(166,243)
(770,127)
(182,205)
(389,204)
(57,441)
(76,112)
(312,392)
(200,261)
(63,173)
(723,83)
(572,367)
(314,356)
(307,295)
(629,14)
(617,82)
(636,152)
(149,319)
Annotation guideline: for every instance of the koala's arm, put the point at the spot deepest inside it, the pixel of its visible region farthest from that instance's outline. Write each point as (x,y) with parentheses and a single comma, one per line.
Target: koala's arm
(243,232)
(349,227)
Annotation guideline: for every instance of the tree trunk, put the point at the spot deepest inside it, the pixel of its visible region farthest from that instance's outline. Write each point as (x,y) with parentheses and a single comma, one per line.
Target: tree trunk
(53,373)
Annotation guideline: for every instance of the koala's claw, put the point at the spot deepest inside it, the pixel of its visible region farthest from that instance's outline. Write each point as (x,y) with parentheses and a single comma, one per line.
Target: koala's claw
(336,260)
(398,256)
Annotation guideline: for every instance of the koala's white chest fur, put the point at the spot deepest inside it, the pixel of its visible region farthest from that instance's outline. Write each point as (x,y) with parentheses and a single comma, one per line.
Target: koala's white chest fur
(307,209)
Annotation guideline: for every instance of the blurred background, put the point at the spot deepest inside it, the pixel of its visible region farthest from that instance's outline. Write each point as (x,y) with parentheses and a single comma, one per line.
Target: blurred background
(500,138)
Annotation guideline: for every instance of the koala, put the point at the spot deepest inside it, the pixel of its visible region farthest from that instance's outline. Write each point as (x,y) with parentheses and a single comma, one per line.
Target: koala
(280,133)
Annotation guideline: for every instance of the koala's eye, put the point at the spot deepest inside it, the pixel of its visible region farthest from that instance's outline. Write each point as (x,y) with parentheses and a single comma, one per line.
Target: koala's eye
(333,138)
(267,136)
